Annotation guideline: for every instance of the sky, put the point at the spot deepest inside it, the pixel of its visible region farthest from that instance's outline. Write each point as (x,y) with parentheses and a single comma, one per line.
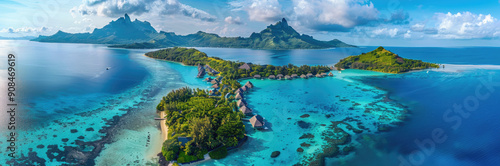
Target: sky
(414,23)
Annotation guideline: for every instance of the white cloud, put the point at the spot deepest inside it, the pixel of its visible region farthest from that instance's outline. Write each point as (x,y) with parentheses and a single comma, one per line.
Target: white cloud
(115,8)
(466,25)
(260,10)
(385,32)
(334,15)
(407,34)
(231,20)
(24,30)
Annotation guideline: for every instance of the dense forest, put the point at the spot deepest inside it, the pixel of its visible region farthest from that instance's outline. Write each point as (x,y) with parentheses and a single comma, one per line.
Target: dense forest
(382,60)
(210,122)
(230,69)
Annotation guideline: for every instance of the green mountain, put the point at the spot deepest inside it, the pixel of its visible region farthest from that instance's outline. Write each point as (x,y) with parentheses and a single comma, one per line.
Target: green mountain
(382,60)
(137,34)
(121,31)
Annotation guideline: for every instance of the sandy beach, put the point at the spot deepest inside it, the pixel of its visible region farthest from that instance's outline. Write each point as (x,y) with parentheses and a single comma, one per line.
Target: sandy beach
(164,128)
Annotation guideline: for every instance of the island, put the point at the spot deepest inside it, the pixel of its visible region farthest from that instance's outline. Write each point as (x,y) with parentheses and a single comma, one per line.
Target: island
(125,33)
(208,121)
(382,60)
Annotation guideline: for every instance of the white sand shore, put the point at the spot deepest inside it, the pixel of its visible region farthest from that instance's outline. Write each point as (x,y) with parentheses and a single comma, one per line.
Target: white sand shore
(164,127)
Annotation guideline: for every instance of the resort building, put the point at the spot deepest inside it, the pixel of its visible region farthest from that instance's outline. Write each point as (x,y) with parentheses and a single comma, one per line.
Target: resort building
(215,86)
(257,122)
(287,77)
(295,76)
(309,75)
(303,76)
(249,84)
(272,77)
(318,75)
(323,74)
(257,76)
(238,96)
(279,76)
(245,66)
(208,79)
(241,103)
(244,89)
(214,81)
(238,90)
(245,110)
(330,74)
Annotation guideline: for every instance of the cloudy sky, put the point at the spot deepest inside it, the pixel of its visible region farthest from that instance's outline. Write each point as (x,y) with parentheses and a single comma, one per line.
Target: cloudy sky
(359,22)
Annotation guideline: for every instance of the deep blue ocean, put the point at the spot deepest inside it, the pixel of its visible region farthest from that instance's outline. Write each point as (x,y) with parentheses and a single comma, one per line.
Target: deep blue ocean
(65,89)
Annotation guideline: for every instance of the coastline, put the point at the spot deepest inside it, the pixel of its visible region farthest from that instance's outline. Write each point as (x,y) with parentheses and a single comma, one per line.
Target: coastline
(164,127)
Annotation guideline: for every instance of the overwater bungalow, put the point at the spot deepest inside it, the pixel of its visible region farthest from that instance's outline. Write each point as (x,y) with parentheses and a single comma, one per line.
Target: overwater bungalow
(323,74)
(319,75)
(215,86)
(279,76)
(238,96)
(238,90)
(244,88)
(272,77)
(330,74)
(241,103)
(249,84)
(257,122)
(287,77)
(309,75)
(214,81)
(245,66)
(245,110)
(295,76)
(257,76)
(208,79)
(303,76)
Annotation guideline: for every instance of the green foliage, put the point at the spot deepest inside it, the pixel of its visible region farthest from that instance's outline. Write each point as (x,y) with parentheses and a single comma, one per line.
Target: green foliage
(218,153)
(383,60)
(170,149)
(229,69)
(192,113)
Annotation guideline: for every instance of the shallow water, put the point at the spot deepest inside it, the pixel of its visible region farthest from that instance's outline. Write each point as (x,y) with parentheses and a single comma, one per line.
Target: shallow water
(66,86)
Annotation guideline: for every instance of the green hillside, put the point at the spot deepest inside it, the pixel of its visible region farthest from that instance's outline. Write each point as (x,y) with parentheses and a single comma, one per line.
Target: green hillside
(382,60)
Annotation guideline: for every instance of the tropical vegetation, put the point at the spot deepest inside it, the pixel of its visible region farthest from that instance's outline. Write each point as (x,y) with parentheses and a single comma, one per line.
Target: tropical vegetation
(382,60)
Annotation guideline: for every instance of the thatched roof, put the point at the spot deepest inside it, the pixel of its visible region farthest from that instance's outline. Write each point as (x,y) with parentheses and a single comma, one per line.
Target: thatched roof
(279,75)
(249,84)
(238,90)
(319,75)
(241,103)
(256,76)
(288,77)
(245,66)
(303,76)
(257,121)
(294,76)
(244,88)
(330,74)
(238,96)
(213,81)
(215,86)
(245,110)
(208,79)
(323,74)
(272,77)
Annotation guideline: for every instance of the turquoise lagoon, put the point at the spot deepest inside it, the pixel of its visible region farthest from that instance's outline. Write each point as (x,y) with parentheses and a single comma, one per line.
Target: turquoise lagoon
(65,86)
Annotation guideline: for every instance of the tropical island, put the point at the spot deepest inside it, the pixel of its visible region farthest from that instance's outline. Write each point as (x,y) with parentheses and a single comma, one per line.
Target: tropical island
(125,33)
(382,60)
(201,121)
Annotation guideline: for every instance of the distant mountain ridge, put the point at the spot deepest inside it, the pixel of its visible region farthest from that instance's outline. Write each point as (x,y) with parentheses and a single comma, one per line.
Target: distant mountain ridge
(140,34)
